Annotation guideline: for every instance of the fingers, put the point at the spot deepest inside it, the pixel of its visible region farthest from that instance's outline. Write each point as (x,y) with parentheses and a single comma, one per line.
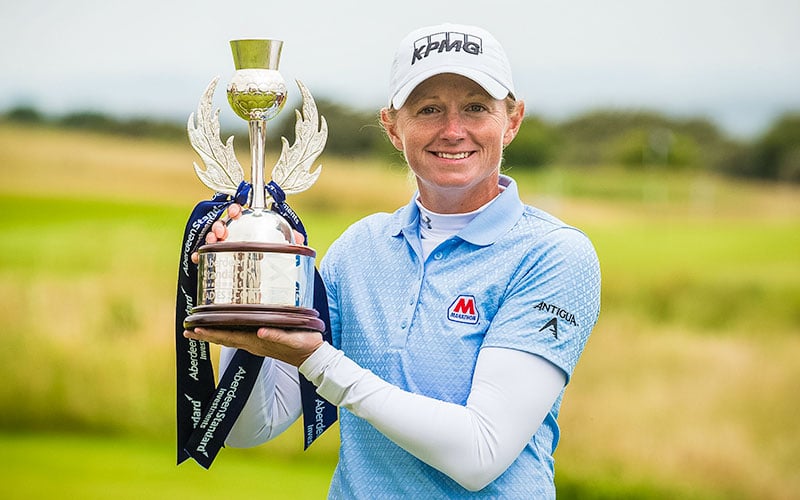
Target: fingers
(290,346)
(219,229)
(218,232)
(234,211)
(228,338)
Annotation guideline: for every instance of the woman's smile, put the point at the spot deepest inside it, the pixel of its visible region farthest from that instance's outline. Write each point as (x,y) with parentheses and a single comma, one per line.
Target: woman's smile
(452,133)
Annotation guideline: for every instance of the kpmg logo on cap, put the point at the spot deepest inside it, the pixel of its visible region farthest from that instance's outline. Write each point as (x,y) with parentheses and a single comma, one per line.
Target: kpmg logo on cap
(450,41)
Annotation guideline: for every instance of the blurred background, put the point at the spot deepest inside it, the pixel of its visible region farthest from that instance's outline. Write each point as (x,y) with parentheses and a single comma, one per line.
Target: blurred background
(668,131)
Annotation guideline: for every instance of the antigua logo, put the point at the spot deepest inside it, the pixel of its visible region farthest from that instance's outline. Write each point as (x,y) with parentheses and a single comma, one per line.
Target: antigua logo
(551,326)
(554,309)
(463,310)
(451,41)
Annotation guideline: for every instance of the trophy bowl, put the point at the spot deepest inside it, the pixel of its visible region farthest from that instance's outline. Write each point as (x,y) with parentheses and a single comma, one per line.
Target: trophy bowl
(258,276)
(256,281)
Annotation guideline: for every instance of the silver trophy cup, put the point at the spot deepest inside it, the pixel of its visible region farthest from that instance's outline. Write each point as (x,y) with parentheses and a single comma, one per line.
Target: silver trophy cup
(259,276)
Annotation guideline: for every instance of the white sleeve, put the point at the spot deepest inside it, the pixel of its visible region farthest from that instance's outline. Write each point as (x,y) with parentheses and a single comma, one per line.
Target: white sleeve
(271,408)
(511,393)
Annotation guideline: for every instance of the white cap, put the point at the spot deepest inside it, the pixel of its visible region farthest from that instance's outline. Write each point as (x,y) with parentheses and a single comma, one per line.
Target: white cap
(449,48)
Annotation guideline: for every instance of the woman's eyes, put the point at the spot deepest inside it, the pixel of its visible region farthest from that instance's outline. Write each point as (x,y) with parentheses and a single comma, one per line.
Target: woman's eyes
(471,108)
(474,108)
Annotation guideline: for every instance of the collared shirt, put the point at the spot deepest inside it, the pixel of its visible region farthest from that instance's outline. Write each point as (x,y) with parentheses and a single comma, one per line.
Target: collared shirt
(515,277)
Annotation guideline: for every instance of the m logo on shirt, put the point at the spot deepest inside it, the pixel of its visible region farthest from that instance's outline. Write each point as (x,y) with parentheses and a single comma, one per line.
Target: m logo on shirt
(463,310)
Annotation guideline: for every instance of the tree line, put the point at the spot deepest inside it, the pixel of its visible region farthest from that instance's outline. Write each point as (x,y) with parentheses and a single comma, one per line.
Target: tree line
(635,139)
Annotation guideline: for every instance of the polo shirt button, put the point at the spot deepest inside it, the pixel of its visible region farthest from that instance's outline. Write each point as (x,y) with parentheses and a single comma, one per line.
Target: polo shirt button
(403,325)
(438,256)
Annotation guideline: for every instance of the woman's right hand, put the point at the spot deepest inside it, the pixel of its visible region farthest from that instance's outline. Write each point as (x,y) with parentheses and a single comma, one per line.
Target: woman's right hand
(219,229)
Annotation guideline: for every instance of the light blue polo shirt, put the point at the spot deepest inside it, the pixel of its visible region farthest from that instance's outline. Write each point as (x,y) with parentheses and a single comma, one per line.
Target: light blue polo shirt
(514,277)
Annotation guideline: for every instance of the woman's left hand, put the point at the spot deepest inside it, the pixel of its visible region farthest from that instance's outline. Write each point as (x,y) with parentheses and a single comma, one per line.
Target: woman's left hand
(290,346)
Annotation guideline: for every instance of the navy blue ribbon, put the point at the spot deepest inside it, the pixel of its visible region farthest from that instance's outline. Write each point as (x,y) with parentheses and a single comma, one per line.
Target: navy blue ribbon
(318,413)
(195,373)
(205,413)
(284,209)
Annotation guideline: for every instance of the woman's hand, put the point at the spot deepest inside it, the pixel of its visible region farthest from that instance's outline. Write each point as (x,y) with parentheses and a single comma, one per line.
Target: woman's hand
(290,346)
(219,229)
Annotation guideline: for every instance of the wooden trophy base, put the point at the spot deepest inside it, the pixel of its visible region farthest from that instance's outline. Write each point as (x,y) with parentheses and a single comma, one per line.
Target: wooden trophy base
(250,317)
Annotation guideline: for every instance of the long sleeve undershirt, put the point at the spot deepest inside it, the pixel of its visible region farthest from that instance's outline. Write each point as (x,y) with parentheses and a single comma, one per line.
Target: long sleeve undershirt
(273,405)
(512,391)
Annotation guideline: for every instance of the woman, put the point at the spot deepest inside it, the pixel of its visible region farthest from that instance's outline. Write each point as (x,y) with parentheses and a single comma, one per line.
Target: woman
(457,320)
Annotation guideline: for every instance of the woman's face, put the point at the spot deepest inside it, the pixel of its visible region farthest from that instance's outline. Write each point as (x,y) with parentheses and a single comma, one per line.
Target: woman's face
(453,134)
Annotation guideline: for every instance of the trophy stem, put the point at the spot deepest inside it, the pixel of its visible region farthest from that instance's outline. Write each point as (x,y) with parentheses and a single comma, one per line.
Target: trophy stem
(258,142)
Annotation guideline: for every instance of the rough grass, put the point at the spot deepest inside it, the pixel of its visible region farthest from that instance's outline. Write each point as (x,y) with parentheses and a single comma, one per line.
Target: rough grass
(686,390)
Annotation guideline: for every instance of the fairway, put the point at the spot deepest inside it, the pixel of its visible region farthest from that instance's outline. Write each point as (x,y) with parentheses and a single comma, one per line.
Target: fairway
(90,467)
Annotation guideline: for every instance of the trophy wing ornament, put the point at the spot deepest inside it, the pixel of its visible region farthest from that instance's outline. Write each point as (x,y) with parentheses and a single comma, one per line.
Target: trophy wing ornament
(222,172)
(293,171)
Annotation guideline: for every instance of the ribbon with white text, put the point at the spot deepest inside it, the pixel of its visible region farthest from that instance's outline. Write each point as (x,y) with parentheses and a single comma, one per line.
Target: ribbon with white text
(205,413)
(194,371)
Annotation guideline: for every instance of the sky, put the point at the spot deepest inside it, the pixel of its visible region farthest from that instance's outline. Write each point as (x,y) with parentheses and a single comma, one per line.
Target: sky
(734,62)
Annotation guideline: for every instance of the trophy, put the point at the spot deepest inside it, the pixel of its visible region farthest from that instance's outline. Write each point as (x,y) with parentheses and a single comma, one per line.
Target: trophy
(258,276)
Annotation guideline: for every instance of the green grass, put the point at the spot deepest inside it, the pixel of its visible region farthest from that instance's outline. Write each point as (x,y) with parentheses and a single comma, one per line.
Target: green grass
(720,277)
(72,237)
(96,467)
